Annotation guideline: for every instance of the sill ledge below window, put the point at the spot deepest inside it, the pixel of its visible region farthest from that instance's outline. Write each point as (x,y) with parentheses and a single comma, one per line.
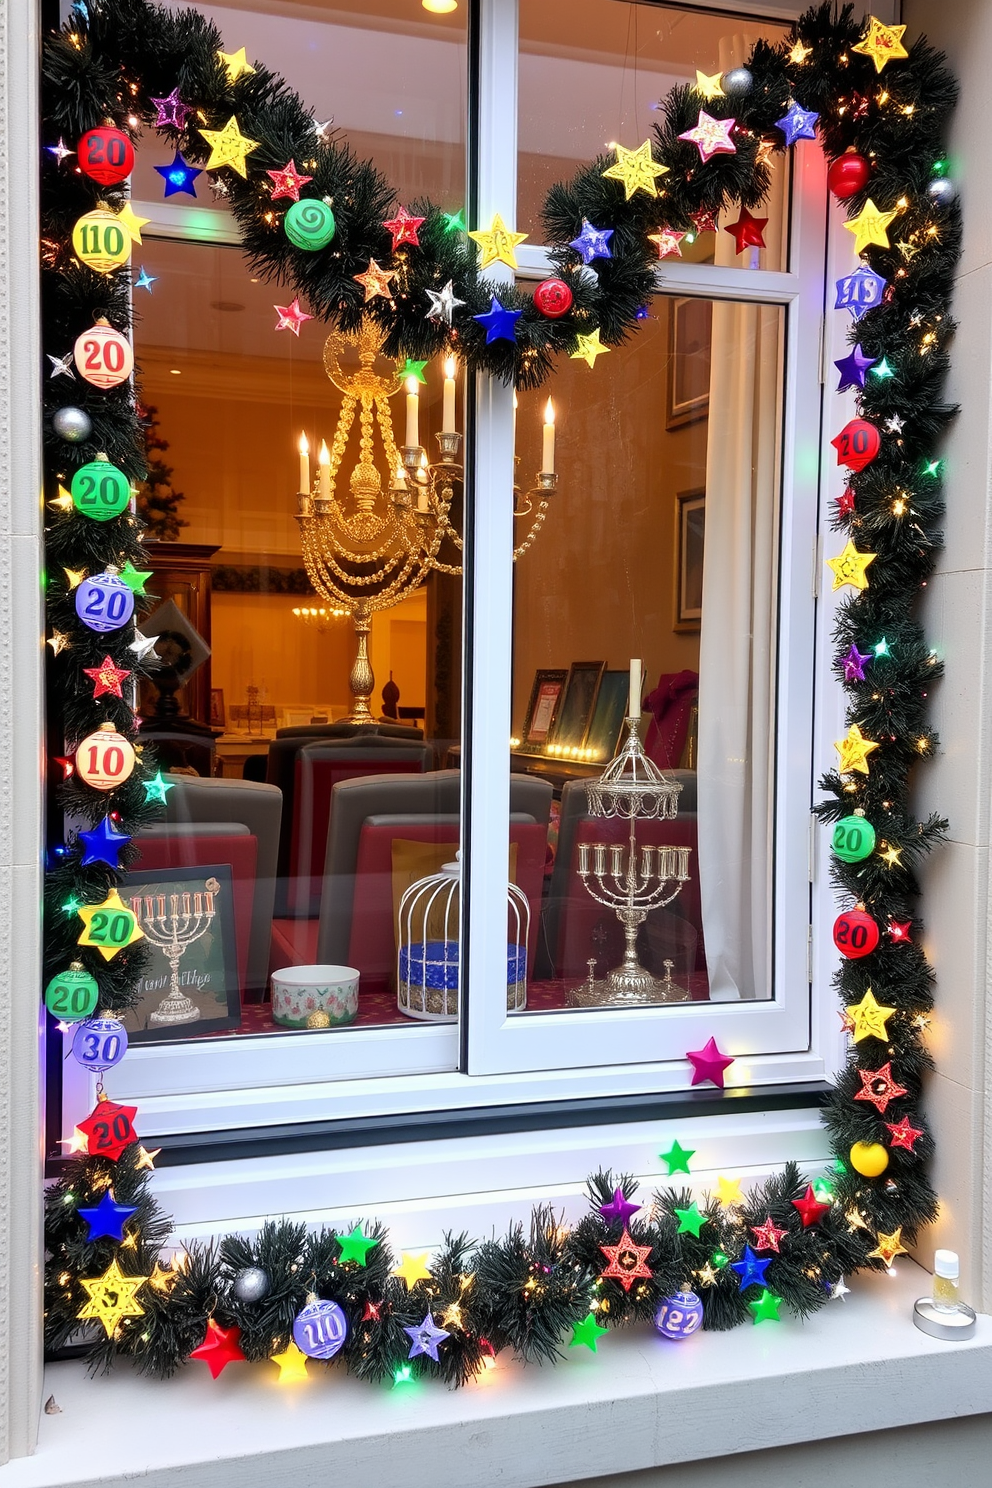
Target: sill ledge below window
(639,1403)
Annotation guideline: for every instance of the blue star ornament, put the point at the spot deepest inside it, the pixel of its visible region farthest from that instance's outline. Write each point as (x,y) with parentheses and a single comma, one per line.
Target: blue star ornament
(145,280)
(853,369)
(102,844)
(859,291)
(592,242)
(424,1338)
(178,176)
(107,1219)
(797,124)
(750,1271)
(500,323)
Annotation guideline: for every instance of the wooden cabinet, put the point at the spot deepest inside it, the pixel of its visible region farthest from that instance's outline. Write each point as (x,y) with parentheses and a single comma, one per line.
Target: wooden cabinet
(181,572)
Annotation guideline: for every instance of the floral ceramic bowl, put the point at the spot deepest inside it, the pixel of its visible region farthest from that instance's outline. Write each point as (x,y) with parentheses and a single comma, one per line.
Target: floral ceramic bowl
(315,996)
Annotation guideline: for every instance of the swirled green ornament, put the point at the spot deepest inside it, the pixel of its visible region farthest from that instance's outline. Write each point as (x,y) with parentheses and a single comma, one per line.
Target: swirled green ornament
(309,224)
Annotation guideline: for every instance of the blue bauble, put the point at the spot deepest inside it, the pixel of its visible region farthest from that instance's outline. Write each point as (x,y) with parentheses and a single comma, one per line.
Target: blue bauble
(320,1329)
(679,1316)
(99,1044)
(104,602)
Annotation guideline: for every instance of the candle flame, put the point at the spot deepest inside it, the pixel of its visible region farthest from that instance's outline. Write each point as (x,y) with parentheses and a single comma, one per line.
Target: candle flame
(400,474)
(449,367)
(304,444)
(549,412)
(411,385)
(325,455)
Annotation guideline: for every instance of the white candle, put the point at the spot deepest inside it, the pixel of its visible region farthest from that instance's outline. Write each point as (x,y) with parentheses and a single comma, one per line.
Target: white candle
(422,478)
(514,418)
(448,406)
(304,448)
(548,450)
(400,476)
(324,470)
(412,413)
(634,705)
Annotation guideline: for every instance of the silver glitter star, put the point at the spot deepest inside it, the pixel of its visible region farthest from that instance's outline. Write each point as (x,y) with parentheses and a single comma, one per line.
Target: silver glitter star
(916,319)
(323,131)
(443,303)
(893,425)
(142,644)
(59,151)
(219,187)
(60,365)
(839,1291)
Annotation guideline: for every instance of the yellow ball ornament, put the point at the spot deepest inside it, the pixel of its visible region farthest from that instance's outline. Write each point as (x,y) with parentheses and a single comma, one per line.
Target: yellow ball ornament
(869,1159)
(100,242)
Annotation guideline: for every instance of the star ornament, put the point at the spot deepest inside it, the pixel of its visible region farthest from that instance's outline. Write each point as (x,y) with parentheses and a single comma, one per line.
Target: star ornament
(619,1209)
(375,281)
(587,1333)
(403,228)
(158,788)
(747,231)
(500,323)
(145,280)
(636,170)
(869,227)
(107,678)
(768,1235)
(845,502)
(667,242)
(103,844)
(588,348)
(853,369)
(179,176)
(854,751)
(728,1191)
(592,242)
(711,136)
(412,1269)
(903,1134)
(888,1247)
(59,150)
(135,578)
(99,920)
(709,87)
(444,303)
(425,1338)
(108,1129)
(854,664)
(497,242)
(220,1347)
(810,1209)
(869,1017)
(749,1270)
(228,146)
(287,182)
(898,931)
(882,44)
(849,567)
(859,291)
(131,223)
(690,1220)
(798,123)
(292,1364)
(107,1219)
(235,64)
(170,112)
(878,1087)
(766,1308)
(291,317)
(708,1064)
(355,1246)
(111,1298)
(627,1261)
(677,1158)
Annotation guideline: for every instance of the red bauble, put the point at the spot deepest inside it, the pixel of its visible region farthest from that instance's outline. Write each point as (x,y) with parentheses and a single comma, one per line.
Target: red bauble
(857,444)
(855,934)
(553,298)
(848,175)
(106,155)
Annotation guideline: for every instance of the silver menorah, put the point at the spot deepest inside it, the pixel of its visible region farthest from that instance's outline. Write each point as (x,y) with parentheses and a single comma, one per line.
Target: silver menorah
(174,930)
(632,880)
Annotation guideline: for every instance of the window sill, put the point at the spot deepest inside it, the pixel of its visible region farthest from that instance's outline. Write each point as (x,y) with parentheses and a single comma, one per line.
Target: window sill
(640,1403)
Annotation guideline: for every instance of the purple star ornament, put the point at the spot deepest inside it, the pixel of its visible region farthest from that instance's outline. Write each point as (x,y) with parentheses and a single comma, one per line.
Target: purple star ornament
(859,291)
(853,369)
(619,1209)
(424,1338)
(171,112)
(708,1063)
(797,124)
(854,664)
(592,242)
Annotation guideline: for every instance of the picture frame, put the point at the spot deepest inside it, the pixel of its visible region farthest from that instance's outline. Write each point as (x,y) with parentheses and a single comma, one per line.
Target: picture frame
(690,336)
(545,696)
(690,539)
(606,727)
(217,713)
(207,973)
(577,704)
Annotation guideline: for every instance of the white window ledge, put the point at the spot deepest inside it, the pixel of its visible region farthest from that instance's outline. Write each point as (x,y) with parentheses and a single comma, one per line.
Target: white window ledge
(639,1403)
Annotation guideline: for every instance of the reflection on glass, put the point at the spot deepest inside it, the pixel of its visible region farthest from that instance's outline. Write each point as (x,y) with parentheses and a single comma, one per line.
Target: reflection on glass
(660,545)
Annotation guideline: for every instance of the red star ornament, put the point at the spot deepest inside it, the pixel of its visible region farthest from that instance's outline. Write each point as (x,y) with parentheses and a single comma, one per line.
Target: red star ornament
(107,677)
(899,931)
(878,1087)
(810,1208)
(220,1348)
(68,763)
(403,228)
(287,182)
(746,231)
(704,220)
(291,317)
(708,1063)
(904,1135)
(627,1261)
(108,1129)
(845,503)
(372,1312)
(767,1235)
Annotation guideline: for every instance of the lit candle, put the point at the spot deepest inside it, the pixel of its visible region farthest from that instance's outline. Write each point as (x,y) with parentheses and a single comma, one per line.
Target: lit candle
(514,418)
(304,448)
(448,406)
(412,413)
(634,705)
(324,470)
(548,452)
(422,503)
(400,476)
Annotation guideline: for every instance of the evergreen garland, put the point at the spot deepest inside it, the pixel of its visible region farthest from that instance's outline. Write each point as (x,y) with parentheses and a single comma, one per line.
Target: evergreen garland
(522,1292)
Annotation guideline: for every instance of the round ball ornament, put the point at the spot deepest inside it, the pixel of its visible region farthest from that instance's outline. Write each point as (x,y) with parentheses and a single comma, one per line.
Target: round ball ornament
(853,839)
(74,425)
(870,1159)
(100,242)
(72,994)
(251,1284)
(737,80)
(105,155)
(100,1043)
(320,1329)
(103,356)
(100,490)
(309,224)
(849,174)
(855,933)
(942,191)
(553,298)
(104,759)
(679,1316)
(103,601)
(857,444)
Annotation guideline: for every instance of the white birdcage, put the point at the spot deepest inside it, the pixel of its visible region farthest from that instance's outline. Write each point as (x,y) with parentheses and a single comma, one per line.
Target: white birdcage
(427,962)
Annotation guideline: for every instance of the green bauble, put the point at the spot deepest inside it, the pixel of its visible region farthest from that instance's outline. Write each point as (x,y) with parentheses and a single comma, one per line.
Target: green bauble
(853,839)
(309,224)
(72,995)
(99,490)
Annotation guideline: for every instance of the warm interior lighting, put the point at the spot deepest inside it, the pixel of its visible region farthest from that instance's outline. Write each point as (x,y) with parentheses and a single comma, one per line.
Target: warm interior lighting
(304,445)
(324,456)
(411,385)
(440,7)
(449,367)
(549,412)
(175,372)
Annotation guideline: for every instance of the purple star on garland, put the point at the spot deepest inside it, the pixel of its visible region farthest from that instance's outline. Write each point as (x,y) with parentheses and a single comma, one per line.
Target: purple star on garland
(500,323)
(750,1270)
(853,369)
(854,664)
(424,1338)
(592,242)
(797,124)
(171,112)
(619,1209)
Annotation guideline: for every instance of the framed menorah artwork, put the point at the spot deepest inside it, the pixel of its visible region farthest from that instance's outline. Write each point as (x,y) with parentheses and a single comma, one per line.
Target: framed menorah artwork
(191,985)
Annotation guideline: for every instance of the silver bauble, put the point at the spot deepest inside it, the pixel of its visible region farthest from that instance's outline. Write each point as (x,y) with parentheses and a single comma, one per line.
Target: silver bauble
(251,1284)
(72,424)
(737,80)
(941,190)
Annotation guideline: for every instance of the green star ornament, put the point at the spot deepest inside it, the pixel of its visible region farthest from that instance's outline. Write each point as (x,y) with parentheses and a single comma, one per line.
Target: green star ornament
(690,1220)
(677,1158)
(766,1308)
(587,1332)
(454,221)
(157,789)
(414,369)
(135,578)
(355,1247)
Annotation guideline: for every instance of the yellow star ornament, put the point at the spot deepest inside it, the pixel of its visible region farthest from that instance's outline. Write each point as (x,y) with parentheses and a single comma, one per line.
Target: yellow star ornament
(292,1364)
(412,1269)
(882,43)
(728,1191)
(636,169)
(849,567)
(869,1017)
(131,224)
(497,243)
(588,348)
(870,227)
(709,87)
(228,146)
(111,1298)
(235,64)
(889,1246)
(854,751)
(109,926)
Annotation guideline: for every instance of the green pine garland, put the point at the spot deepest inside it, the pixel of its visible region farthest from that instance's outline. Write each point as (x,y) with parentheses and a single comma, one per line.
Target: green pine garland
(525,1291)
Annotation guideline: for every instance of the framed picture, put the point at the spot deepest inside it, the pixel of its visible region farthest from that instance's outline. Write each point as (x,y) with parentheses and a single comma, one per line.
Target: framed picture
(545,696)
(608,715)
(217,716)
(690,333)
(191,985)
(690,534)
(577,704)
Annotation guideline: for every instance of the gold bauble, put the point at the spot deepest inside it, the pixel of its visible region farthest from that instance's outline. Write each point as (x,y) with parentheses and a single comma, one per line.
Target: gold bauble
(869,1159)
